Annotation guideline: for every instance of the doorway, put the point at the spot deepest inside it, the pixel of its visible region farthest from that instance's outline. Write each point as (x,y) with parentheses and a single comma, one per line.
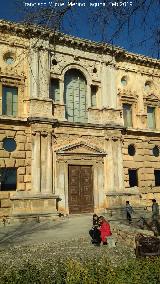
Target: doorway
(80,189)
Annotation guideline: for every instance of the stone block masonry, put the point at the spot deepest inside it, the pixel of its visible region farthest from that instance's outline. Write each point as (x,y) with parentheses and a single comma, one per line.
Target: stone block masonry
(126,234)
(78,108)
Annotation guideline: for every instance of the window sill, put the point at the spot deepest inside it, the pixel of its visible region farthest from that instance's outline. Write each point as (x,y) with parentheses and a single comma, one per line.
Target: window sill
(13,118)
(144,130)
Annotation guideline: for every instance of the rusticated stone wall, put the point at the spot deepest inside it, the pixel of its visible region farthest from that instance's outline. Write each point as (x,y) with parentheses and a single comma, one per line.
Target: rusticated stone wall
(145,162)
(19,159)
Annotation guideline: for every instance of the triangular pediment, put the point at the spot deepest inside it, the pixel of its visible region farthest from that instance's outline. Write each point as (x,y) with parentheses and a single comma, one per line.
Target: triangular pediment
(127,93)
(80,148)
(152,97)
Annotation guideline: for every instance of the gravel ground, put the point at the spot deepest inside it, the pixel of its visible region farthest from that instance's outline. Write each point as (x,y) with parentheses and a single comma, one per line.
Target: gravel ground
(80,249)
(49,242)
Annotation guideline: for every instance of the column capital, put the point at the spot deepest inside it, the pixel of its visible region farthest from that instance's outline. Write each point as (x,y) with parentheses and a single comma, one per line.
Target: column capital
(44,133)
(114,138)
(34,133)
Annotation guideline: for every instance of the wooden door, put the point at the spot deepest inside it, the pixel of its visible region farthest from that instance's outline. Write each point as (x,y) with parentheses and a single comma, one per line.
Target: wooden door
(80,192)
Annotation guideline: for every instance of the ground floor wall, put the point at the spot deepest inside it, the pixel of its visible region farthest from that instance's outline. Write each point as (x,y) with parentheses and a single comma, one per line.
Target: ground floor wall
(145,161)
(98,157)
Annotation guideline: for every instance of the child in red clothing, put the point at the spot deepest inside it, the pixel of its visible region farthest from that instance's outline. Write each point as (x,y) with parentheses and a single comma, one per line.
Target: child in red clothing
(104,229)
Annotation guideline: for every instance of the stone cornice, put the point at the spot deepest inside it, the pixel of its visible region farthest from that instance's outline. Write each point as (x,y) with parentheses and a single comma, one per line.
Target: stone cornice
(4,119)
(28,31)
(138,59)
(142,70)
(143,132)
(108,126)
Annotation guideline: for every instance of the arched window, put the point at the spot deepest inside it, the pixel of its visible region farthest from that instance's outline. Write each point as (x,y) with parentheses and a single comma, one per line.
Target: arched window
(75,90)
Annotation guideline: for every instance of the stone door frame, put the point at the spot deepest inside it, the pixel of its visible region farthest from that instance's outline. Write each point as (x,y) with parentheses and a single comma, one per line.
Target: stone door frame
(98,182)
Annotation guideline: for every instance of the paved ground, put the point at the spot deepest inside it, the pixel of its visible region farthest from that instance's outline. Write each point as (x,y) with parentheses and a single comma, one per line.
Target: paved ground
(46,231)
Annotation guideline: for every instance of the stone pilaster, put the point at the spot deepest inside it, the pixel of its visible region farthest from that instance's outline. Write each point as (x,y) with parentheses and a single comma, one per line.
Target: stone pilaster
(113,165)
(109,167)
(120,171)
(88,95)
(49,185)
(44,169)
(109,94)
(100,183)
(34,72)
(53,166)
(44,75)
(61,86)
(35,166)
(60,184)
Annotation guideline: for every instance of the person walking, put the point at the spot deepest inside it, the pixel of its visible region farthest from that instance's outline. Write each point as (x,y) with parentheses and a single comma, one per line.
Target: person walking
(129,211)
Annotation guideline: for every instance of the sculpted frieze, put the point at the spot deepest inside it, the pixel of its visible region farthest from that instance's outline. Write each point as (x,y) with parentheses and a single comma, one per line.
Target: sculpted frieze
(80,148)
(77,159)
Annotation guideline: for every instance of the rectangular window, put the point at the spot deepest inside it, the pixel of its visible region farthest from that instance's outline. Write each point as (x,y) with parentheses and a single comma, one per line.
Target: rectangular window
(127,115)
(9,101)
(54,93)
(94,95)
(157,177)
(8,179)
(151,117)
(133,177)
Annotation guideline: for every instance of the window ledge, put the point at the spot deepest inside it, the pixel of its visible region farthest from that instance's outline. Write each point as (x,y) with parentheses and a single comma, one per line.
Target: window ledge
(22,196)
(145,130)
(7,117)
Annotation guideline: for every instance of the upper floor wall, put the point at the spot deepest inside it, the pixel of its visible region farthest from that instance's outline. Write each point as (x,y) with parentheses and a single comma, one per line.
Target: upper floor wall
(139,95)
(77,81)
(13,74)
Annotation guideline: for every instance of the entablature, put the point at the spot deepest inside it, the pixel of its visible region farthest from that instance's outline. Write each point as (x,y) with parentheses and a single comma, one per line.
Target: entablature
(138,69)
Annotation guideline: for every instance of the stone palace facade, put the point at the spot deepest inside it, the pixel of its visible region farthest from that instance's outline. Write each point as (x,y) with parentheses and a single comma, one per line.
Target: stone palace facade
(79,124)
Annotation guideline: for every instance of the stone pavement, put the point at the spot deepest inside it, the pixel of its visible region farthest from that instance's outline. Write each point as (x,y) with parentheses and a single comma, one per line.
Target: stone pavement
(72,227)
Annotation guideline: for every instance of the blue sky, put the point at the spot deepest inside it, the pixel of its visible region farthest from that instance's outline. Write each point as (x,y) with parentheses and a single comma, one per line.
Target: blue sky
(77,24)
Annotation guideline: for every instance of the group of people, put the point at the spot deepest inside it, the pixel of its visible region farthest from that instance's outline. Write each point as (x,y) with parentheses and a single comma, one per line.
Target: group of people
(155,211)
(100,230)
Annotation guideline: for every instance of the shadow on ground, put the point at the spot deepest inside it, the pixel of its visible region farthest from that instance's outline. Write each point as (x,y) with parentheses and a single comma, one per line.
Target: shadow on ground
(45,231)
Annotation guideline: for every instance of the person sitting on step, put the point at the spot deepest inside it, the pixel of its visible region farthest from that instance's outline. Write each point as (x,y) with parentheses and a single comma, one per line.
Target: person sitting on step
(94,232)
(104,229)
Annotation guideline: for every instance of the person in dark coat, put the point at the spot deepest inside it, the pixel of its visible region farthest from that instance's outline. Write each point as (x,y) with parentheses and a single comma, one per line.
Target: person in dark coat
(129,211)
(155,210)
(155,217)
(94,232)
